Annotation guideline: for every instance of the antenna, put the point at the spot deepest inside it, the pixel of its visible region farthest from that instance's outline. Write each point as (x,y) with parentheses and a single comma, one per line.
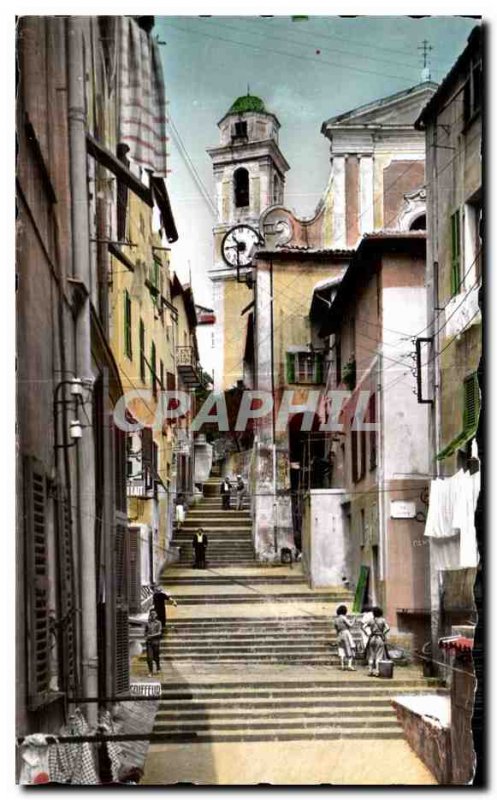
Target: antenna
(425,48)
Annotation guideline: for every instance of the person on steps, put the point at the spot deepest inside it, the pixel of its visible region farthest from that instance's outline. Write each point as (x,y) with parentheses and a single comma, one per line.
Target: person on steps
(376,649)
(153,633)
(225,494)
(240,492)
(160,598)
(346,644)
(200,543)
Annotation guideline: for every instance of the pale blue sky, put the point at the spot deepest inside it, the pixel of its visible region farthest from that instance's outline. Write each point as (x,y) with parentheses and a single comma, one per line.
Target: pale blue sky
(305,72)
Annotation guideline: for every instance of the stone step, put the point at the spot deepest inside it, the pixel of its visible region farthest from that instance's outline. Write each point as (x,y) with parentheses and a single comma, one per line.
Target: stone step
(336,704)
(236,639)
(185,562)
(289,597)
(297,692)
(212,580)
(257,622)
(277,736)
(263,714)
(302,724)
(215,523)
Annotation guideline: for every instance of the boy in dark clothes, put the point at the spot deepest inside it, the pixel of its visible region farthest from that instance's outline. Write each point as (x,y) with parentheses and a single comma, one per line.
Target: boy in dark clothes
(153,633)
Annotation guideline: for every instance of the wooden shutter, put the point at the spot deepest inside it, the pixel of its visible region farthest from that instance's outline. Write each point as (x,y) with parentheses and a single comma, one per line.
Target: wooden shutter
(290,367)
(471,402)
(372,434)
(37,620)
(127,325)
(67,606)
(455,232)
(121,627)
(142,352)
(134,576)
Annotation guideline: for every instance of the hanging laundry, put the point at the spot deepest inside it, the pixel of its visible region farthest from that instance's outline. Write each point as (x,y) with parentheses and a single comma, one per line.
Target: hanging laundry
(451,513)
(142,101)
(35,767)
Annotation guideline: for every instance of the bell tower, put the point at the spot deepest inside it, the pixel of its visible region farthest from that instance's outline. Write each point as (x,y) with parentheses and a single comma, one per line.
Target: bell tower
(249,174)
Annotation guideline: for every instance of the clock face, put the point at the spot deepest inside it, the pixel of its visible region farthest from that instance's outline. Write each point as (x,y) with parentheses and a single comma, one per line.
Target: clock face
(239,244)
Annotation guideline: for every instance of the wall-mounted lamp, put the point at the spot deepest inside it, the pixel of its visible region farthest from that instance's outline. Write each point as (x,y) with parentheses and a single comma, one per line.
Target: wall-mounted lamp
(77,387)
(75,429)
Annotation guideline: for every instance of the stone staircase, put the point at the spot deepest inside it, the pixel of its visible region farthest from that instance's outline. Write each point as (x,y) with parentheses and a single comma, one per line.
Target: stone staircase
(229,532)
(283,710)
(250,652)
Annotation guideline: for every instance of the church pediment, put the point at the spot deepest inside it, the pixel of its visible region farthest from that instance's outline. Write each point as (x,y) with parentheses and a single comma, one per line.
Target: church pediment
(400,109)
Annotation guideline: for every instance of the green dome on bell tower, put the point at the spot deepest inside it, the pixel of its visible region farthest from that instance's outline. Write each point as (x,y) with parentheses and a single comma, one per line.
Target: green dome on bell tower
(247,102)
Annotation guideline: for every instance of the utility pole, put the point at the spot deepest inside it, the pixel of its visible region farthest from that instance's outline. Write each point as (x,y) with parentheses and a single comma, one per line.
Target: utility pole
(425,48)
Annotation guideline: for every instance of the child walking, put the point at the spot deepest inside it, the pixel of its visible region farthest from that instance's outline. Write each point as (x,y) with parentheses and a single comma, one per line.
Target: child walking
(376,649)
(153,633)
(346,644)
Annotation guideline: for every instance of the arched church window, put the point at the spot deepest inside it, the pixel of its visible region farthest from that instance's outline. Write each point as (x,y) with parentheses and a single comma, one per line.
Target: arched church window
(241,183)
(419,224)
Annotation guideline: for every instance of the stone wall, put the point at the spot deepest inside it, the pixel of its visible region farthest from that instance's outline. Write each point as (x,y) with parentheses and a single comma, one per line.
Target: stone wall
(428,737)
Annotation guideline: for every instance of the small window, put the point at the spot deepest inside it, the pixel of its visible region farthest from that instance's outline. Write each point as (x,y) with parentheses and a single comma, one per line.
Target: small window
(455,264)
(240,130)
(276,189)
(162,375)
(472,96)
(241,185)
(127,325)
(142,352)
(304,367)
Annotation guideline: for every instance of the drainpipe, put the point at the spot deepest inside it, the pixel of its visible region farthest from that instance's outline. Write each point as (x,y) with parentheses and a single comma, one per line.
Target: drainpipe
(85,449)
(275,504)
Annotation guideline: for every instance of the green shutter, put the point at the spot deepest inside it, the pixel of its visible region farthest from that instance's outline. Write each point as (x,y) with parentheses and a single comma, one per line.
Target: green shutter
(142,352)
(153,370)
(455,270)
(471,402)
(290,367)
(127,325)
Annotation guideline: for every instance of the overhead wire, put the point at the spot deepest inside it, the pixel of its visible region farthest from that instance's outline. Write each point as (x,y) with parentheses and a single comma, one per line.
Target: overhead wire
(316,60)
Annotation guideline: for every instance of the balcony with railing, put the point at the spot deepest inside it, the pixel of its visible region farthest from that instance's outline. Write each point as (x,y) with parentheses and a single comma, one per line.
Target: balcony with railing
(188,367)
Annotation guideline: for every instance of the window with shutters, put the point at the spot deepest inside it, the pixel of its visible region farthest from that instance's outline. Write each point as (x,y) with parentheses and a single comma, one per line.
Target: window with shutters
(153,369)
(142,352)
(471,408)
(455,252)
(373,433)
(304,367)
(161,375)
(127,325)
(66,595)
(121,631)
(37,582)
(120,467)
(134,576)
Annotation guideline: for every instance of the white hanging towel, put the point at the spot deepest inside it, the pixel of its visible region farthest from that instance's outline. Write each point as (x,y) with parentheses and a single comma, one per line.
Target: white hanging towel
(142,98)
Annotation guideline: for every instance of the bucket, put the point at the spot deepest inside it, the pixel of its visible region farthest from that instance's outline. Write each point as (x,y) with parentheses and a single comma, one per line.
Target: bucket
(385,669)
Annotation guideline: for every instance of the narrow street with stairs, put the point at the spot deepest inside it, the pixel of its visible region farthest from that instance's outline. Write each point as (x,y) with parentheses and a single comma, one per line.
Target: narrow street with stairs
(251,691)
